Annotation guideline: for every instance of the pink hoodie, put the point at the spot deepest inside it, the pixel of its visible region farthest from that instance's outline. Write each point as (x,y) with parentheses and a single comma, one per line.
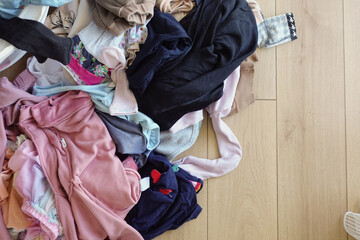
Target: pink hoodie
(93,191)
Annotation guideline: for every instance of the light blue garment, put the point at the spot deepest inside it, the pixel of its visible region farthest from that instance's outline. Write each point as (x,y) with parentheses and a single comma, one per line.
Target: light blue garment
(172,144)
(11,8)
(19,3)
(102,96)
(9,12)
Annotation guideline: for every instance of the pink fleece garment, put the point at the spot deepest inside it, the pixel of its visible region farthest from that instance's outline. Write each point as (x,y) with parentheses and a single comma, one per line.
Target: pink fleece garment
(187,120)
(124,102)
(93,191)
(12,99)
(229,147)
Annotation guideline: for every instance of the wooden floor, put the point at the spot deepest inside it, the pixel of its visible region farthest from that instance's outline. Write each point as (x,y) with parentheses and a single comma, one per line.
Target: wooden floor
(300,170)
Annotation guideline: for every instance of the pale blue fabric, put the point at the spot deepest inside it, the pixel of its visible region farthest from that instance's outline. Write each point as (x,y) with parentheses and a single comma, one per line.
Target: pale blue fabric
(11,8)
(102,96)
(19,3)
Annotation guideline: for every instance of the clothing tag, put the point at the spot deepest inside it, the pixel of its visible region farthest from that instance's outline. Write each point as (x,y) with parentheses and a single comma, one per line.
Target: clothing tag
(144,183)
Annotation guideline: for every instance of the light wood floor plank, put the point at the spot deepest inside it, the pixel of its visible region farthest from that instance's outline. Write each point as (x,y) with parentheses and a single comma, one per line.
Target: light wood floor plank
(243,204)
(17,68)
(311,123)
(265,69)
(352,84)
(195,229)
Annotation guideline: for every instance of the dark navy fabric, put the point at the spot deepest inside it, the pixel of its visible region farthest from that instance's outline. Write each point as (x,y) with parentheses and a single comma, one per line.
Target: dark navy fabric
(157,212)
(223,34)
(127,136)
(166,40)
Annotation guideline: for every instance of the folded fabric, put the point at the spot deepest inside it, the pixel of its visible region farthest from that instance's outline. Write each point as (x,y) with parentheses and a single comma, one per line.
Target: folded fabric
(223,34)
(277,30)
(121,15)
(35,38)
(169,202)
(228,145)
(77,155)
(166,41)
(124,102)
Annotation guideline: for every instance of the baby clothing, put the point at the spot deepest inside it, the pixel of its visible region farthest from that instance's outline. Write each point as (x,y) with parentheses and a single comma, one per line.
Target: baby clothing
(277,30)
(124,102)
(35,38)
(93,191)
(169,202)
(121,15)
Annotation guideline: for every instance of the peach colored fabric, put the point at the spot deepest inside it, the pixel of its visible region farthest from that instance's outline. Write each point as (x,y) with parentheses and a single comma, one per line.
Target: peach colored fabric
(244,95)
(11,205)
(256,10)
(178,8)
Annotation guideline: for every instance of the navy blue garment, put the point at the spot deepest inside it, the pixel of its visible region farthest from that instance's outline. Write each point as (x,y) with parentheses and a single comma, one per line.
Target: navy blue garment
(166,40)
(157,212)
(127,136)
(223,34)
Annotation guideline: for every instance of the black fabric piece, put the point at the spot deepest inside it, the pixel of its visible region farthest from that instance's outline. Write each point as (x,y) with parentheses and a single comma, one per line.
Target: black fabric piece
(223,34)
(166,40)
(36,38)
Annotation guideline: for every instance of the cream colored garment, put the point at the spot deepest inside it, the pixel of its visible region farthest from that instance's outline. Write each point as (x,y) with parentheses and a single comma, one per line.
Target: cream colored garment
(178,8)
(68,19)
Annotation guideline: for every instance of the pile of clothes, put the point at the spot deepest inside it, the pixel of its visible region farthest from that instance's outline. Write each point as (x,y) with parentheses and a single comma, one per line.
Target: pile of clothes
(90,131)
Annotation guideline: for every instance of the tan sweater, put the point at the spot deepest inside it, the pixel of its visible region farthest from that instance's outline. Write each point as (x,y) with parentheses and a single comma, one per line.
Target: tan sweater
(117,16)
